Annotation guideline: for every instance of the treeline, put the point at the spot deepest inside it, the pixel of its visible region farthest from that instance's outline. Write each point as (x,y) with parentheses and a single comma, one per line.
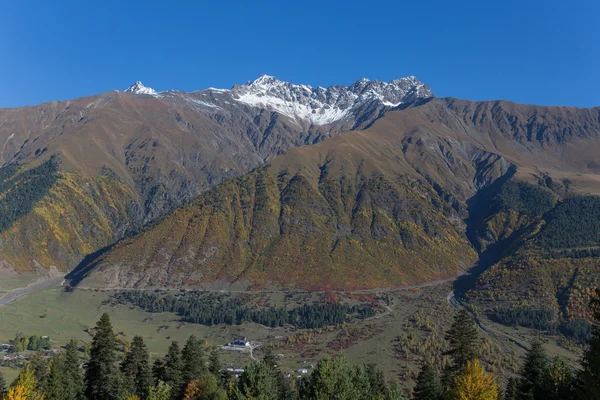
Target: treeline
(539,378)
(189,373)
(573,223)
(212,309)
(523,197)
(541,319)
(573,253)
(19,192)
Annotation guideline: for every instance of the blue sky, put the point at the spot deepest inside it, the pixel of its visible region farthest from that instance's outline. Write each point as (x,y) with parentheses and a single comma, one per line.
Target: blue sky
(529,51)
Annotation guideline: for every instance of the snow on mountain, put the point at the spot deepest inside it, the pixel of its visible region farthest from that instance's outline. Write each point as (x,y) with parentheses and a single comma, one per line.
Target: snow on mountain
(303,103)
(321,106)
(139,88)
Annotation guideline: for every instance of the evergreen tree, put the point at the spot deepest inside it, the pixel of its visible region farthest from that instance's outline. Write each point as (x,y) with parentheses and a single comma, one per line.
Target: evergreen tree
(54,388)
(158,371)
(102,380)
(192,358)
(511,392)
(2,384)
(428,384)
(136,369)
(558,381)
(162,391)
(331,379)
(214,362)
(173,368)
(39,366)
(474,383)
(590,373)
(377,382)
(532,375)
(73,377)
(463,346)
(271,361)
(462,340)
(256,382)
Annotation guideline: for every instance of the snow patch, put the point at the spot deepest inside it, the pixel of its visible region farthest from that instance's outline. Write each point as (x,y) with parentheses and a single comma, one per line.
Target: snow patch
(139,88)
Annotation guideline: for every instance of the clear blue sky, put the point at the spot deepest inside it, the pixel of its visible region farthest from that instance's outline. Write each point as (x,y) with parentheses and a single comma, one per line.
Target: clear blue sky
(529,51)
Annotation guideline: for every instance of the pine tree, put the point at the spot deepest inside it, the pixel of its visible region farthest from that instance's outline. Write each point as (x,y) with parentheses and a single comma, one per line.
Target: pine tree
(474,383)
(173,368)
(271,361)
(54,388)
(462,340)
(590,373)
(532,374)
(256,382)
(214,362)
(102,381)
(428,384)
(558,381)
(192,358)
(158,371)
(463,346)
(2,384)
(511,392)
(73,377)
(377,383)
(162,391)
(135,367)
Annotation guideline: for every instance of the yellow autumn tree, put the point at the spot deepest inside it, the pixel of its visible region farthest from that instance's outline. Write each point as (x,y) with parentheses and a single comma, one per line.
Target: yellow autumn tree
(133,397)
(18,392)
(24,388)
(474,383)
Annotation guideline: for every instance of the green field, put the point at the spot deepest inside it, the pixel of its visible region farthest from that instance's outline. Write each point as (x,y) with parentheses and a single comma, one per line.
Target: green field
(398,339)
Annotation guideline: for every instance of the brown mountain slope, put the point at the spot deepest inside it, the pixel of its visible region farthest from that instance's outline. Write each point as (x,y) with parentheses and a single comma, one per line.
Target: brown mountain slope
(380,207)
(127,158)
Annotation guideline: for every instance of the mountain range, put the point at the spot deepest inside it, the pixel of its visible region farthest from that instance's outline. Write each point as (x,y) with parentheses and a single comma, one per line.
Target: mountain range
(272,184)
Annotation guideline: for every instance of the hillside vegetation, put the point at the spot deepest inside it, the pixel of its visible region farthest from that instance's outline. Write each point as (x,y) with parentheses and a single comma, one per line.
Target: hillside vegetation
(267,227)
(550,265)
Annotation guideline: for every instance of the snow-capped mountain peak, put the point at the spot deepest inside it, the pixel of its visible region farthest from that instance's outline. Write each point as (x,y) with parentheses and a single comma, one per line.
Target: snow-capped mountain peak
(139,88)
(321,106)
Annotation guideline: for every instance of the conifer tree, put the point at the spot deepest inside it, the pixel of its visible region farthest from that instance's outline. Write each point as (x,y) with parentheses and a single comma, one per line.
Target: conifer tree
(158,371)
(214,362)
(102,381)
(533,371)
(428,384)
(73,377)
(173,368)
(377,382)
(462,340)
(511,392)
(271,361)
(256,382)
(192,358)
(463,346)
(590,372)
(54,388)
(2,384)
(162,391)
(136,369)
(558,381)
(474,383)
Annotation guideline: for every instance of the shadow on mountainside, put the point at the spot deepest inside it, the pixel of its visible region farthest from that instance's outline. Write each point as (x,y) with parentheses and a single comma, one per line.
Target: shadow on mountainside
(82,270)
(479,210)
